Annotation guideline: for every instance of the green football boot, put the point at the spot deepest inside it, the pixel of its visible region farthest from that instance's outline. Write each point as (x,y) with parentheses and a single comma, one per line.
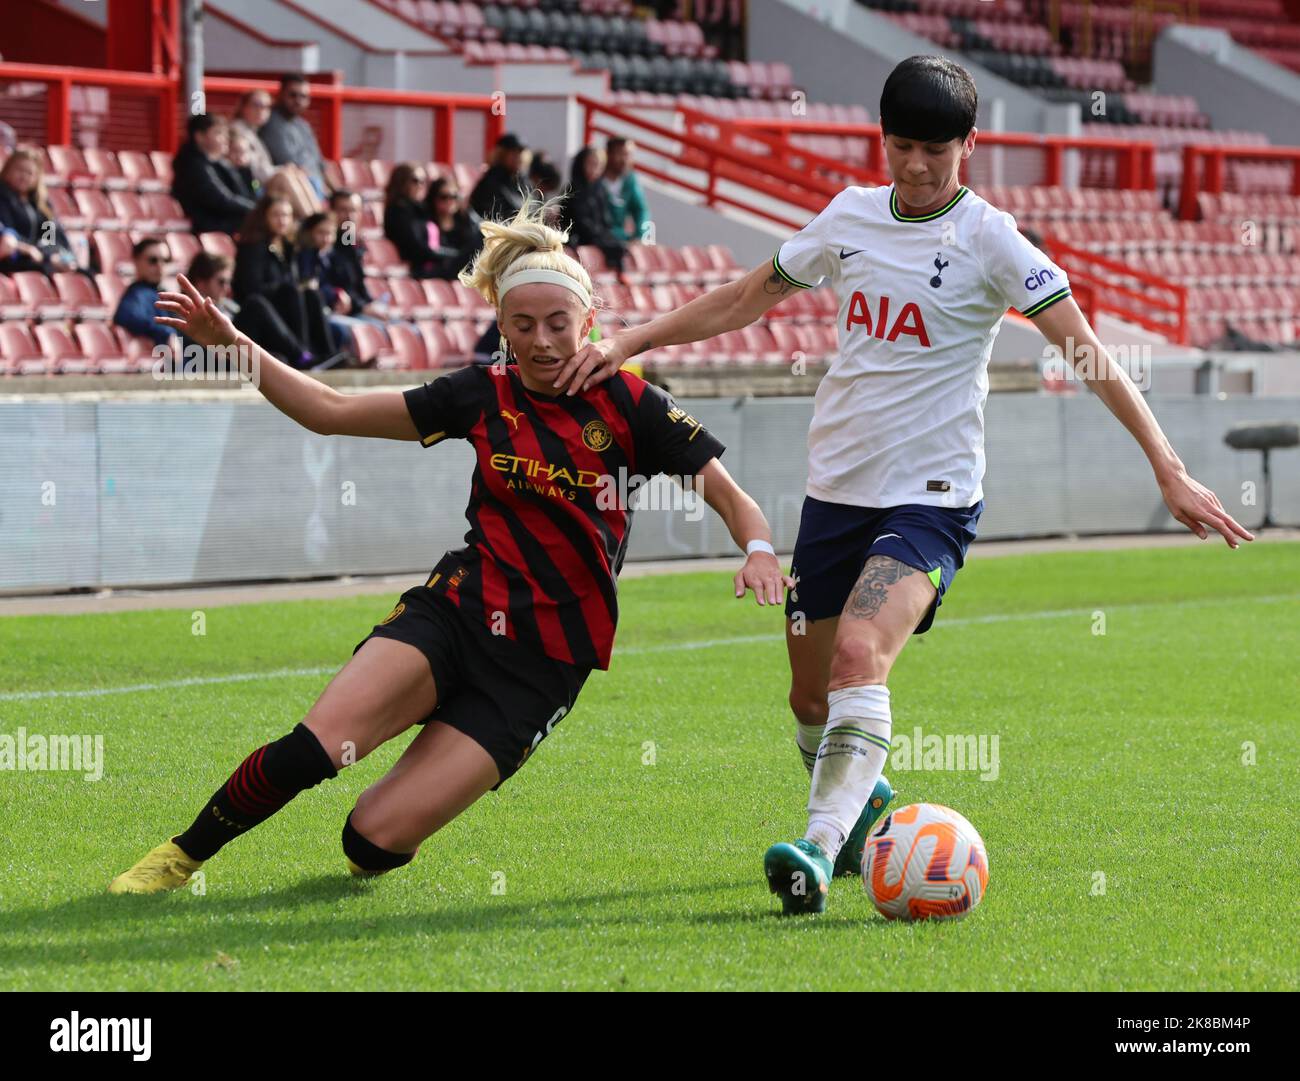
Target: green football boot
(800,873)
(849,860)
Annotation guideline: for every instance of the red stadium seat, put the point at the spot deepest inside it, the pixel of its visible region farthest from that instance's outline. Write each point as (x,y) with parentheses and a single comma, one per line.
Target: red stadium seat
(19,352)
(59,348)
(218,244)
(137,167)
(96,341)
(371,345)
(81,295)
(12,306)
(37,291)
(409,346)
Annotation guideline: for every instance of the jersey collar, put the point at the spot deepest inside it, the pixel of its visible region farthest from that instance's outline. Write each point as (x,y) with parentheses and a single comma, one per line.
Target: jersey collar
(893,206)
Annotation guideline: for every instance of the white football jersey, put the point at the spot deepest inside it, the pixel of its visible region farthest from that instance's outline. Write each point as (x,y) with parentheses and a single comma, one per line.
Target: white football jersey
(899,416)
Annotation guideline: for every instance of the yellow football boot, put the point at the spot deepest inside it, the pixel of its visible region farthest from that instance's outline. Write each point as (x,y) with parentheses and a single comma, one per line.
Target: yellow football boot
(163,868)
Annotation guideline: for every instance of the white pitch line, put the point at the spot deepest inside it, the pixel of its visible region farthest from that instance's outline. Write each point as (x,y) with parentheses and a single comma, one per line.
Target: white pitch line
(667,647)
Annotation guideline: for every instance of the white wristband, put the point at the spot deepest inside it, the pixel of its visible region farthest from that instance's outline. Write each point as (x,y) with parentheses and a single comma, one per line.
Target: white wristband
(759,546)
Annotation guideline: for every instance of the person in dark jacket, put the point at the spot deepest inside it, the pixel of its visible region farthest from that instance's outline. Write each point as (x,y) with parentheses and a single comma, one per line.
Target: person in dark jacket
(458,227)
(209,189)
(409,227)
(501,190)
(136,310)
(348,264)
(33,239)
(585,213)
(276,308)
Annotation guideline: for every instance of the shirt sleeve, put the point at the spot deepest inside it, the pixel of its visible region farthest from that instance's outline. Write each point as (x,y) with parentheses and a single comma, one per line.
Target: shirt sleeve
(1019,272)
(805,259)
(672,440)
(447,408)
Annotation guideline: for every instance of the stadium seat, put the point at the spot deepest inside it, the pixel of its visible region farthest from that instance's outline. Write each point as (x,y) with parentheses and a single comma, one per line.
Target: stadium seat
(96,341)
(20,354)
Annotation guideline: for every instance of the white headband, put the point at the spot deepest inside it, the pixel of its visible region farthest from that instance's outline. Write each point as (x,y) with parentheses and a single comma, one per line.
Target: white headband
(551,277)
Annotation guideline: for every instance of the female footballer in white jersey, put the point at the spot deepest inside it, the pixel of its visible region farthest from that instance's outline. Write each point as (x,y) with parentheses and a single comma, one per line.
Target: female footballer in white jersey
(924,271)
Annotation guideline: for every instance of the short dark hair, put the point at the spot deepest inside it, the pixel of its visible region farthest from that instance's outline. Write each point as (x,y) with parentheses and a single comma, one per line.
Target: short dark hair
(292,78)
(142,246)
(338,195)
(930,99)
(203,122)
(312,220)
(615,142)
(207,265)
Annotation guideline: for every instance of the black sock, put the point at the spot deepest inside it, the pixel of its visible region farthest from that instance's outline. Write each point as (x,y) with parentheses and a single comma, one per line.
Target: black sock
(368,855)
(266,780)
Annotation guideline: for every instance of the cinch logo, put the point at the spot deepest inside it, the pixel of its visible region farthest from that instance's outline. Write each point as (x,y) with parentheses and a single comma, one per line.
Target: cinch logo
(1038,277)
(76,1033)
(909,320)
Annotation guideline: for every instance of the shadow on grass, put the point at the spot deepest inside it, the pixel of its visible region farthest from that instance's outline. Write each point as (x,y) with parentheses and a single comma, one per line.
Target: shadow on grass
(179,926)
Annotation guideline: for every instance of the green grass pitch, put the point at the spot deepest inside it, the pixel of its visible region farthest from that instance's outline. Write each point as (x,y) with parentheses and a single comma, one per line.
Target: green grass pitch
(627,853)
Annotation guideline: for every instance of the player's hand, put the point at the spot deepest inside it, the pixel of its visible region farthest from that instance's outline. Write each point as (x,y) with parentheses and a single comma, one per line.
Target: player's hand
(593,363)
(1193,504)
(762,574)
(196,316)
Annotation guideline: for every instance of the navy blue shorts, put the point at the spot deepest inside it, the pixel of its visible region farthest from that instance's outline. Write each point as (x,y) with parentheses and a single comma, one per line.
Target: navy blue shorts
(835,540)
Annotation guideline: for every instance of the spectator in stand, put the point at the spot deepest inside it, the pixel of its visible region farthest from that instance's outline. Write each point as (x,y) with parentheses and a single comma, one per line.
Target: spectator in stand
(276,308)
(317,245)
(251,114)
(623,192)
(501,190)
(585,213)
(206,185)
(34,240)
(348,264)
(288,135)
(211,275)
(408,226)
(544,178)
(240,158)
(137,310)
(458,227)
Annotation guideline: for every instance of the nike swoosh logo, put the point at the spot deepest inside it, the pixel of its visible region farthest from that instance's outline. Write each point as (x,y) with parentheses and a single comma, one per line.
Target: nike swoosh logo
(845,254)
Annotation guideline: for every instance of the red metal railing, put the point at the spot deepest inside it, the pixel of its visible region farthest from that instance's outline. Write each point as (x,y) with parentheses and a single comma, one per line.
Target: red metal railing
(1124,291)
(1112,163)
(1203,170)
(143,112)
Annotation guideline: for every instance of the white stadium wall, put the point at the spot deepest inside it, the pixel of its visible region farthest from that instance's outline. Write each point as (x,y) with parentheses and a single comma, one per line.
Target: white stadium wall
(117,493)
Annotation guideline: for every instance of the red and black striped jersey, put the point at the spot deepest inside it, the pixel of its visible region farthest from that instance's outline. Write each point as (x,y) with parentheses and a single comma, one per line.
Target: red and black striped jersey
(548,529)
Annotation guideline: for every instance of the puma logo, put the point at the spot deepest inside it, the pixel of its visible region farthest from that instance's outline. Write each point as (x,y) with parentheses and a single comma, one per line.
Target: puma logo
(513,418)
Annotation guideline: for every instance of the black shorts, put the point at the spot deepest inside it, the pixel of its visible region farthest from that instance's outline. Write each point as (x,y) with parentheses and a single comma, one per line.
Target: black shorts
(504,696)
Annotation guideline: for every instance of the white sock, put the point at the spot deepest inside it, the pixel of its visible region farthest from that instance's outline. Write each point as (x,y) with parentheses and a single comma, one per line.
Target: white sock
(849,762)
(808,737)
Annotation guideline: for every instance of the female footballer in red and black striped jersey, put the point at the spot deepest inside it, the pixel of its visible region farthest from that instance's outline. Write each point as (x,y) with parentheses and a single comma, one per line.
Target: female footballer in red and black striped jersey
(492,650)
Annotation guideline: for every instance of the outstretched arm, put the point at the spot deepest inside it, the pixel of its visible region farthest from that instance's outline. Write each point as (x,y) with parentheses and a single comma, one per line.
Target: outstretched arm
(728,307)
(745,521)
(317,407)
(1189,501)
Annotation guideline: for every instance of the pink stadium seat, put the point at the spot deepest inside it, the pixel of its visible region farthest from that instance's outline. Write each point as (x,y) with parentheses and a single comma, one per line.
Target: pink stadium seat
(96,207)
(19,352)
(37,291)
(96,341)
(409,346)
(62,352)
(111,288)
(381,257)
(217,244)
(102,164)
(138,169)
(409,299)
(371,343)
(81,295)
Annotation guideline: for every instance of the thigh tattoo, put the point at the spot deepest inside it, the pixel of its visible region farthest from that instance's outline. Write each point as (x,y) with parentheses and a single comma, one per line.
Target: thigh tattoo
(872,586)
